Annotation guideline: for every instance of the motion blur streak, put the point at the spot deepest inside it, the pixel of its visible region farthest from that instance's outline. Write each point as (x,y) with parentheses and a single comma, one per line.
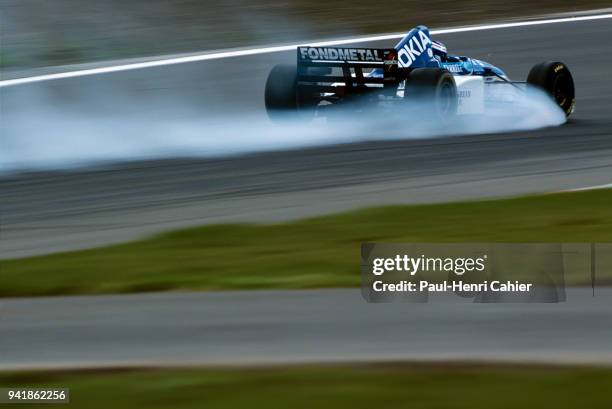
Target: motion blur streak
(265,50)
(280,327)
(78,138)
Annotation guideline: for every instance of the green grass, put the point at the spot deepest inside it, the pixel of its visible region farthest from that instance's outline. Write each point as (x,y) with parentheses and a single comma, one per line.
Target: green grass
(313,253)
(321,387)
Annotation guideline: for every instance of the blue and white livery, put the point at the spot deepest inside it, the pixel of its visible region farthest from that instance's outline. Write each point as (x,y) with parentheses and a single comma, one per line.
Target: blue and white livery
(418,70)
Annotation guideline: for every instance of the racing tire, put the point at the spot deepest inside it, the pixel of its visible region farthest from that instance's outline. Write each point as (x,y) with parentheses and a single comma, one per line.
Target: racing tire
(436,86)
(281,95)
(557,81)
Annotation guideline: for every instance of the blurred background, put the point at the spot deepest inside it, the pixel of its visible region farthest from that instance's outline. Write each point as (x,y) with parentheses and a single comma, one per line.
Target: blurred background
(39,33)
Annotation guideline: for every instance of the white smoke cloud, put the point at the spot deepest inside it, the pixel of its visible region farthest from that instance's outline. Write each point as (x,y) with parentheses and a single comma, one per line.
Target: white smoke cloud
(43,135)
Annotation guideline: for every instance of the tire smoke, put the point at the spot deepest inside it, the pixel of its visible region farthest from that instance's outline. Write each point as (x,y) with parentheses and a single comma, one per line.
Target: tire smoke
(41,131)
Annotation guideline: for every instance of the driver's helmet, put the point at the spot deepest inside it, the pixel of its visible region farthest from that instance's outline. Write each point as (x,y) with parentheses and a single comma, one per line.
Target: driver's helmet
(439,50)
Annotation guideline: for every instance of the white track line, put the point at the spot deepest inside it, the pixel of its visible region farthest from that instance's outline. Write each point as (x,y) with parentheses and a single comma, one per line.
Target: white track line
(266,50)
(597,187)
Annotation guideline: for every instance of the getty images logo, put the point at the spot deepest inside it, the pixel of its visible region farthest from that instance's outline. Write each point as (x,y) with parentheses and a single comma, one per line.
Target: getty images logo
(422,264)
(413,48)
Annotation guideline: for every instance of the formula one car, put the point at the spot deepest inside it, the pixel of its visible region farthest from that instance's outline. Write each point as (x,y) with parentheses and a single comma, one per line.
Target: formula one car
(417,69)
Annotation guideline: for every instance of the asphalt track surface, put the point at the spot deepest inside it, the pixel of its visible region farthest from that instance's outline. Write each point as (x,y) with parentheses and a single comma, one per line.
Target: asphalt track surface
(44,212)
(258,327)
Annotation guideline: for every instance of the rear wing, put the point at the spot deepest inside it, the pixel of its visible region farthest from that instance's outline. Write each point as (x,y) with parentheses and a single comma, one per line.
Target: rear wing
(320,67)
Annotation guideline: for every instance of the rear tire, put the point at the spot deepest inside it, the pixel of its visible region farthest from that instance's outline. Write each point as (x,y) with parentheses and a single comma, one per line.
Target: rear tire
(436,86)
(557,81)
(281,95)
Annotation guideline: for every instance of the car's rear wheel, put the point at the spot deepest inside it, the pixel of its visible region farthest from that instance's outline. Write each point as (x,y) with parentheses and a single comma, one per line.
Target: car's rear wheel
(557,81)
(433,88)
(281,95)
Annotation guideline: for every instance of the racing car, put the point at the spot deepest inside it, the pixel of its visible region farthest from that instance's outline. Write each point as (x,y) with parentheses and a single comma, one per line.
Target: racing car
(417,69)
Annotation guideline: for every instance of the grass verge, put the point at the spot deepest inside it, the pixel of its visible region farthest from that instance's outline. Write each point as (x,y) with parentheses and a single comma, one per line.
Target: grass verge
(313,253)
(361,386)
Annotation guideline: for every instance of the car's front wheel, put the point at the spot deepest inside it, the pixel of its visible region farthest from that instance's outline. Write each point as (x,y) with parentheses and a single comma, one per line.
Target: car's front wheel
(557,81)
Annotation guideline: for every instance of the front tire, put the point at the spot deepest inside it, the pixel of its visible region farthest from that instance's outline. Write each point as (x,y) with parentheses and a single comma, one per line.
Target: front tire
(557,81)
(435,86)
